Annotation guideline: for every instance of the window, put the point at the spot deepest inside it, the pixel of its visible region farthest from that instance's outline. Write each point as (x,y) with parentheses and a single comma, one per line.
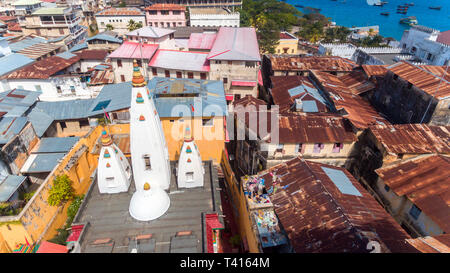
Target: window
(174,24)
(237,96)
(179,74)
(139,63)
(225,80)
(164,12)
(190,75)
(429,56)
(395,77)
(318,148)
(414,212)
(58,89)
(386,188)
(190,177)
(84,123)
(337,147)
(409,85)
(279,148)
(152,12)
(154,71)
(63,125)
(250,64)
(208,121)
(72,89)
(61,31)
(38,88)
(119,63)
(300,148)
(176,12)
(110,181)
(230,62)
(203,76)
(122,78)
(218,62)
(168,24)
(413,49)
(148,166)
(167,72)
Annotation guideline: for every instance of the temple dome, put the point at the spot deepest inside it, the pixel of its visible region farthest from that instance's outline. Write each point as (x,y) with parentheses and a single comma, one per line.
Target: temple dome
(149,203)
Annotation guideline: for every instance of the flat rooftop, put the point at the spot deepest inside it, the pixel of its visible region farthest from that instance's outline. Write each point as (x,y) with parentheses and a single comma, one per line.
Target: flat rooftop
(114,230)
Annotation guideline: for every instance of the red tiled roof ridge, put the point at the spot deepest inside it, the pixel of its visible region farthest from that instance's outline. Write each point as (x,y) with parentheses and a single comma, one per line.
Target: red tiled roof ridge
(164,6)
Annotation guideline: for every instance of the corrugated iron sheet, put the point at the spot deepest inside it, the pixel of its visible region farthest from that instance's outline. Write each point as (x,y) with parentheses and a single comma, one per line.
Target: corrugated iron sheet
(413,138)
(427,78)
(182,60)
(435,244)
(131,50)
(201,40)
(425,181)
(318,217)
(238,44)
(321,63)
(375,70)
(36,51)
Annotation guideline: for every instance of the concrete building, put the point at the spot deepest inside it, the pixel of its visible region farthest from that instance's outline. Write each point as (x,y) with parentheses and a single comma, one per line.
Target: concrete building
(213,17)
(56,77)
(122,59)
(26,7)
(118,18)
(179,64)
(379,146)
(287,44)
(162,37)
(105,40)
(235,60)
(54,22)
(283,211)
(429,45)
(89,58)
(414,94)
(165,15)
(414,192)
(203,4)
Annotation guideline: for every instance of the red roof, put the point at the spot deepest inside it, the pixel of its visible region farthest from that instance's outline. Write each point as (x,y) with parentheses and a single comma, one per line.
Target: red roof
(444,37)
(285,35)
(47,247)
(201,40)
(131,50)
(166,7)
(243,83)
(44,68)
(120,11)
(93,54)
(76,231)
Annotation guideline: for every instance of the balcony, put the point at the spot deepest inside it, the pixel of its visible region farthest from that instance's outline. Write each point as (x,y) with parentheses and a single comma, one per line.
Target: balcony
(67,22)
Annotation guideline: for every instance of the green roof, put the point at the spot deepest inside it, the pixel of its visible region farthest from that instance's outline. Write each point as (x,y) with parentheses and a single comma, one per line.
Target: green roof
(49,11)
(26,2)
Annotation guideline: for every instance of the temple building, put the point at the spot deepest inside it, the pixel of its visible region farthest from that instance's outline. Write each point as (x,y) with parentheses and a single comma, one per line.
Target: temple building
(114,171)
(190,168)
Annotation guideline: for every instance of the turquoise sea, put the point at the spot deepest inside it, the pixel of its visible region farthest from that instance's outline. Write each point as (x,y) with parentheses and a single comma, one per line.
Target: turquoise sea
(358,13)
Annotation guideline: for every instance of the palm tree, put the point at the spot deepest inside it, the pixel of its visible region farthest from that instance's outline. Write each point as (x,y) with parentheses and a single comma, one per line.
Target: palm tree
(132,25)
(109,27)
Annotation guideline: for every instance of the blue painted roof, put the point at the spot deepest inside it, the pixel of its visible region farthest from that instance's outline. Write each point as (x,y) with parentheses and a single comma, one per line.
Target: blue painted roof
(341,181)
(296,91)
(11,126)
(12,62)
(9,186)
(41,163)
(105,37)
(310,106)
(56,144)
(13,111)
(211,97)
(40,121)
(79,47)
(68,109)
(57,39)
(66,55)
(26,43)
(10,97)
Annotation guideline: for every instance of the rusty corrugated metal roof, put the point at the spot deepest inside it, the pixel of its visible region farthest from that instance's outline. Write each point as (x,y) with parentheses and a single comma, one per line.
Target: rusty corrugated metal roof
(427,78)
(356,82)
(249,100)
(321,63)
(425,181)
(374,70)
(429,244)
(413,138)
(360,113)
(92,54)
(44,68)
(318,217)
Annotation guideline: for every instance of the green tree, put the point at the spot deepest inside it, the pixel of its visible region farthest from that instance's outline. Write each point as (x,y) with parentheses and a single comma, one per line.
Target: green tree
(133,25)
(109,27)
(268,36)
(61,191)
(122,4)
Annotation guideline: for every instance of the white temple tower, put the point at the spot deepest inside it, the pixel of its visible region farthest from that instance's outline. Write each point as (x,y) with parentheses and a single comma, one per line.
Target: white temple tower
(190,168)
(113,171)
(149,203)
(149,154)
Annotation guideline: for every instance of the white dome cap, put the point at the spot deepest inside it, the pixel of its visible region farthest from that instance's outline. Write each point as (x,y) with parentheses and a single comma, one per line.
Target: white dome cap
(149,203)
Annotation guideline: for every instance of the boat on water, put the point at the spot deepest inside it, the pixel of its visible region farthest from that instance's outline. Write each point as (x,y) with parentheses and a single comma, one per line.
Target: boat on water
(385,13)
(435,8)
(410,21)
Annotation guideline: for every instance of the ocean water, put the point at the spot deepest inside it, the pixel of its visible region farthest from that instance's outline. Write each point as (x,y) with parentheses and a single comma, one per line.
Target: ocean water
(351,13)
